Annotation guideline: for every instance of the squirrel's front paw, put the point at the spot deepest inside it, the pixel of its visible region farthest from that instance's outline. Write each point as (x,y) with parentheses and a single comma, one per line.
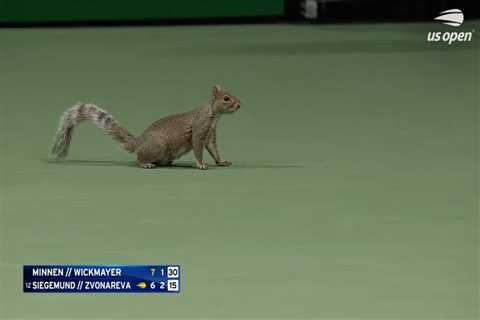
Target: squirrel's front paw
(202,166)
(224,163)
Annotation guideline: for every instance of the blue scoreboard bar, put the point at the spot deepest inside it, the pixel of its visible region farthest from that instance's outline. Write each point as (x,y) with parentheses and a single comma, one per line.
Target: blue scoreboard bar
(101,278)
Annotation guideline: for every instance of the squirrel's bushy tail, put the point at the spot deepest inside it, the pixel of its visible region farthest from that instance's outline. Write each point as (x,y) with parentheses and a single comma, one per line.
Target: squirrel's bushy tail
(101,118)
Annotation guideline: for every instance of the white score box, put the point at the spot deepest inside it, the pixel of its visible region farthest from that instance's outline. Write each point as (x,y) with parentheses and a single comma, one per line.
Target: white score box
(172,285)
(173,272)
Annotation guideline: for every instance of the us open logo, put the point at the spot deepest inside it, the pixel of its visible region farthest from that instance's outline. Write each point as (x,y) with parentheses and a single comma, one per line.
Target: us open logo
(454,18)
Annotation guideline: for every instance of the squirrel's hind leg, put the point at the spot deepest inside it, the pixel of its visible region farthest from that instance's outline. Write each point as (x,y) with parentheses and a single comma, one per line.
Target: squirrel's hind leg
(150,153)
(147,165)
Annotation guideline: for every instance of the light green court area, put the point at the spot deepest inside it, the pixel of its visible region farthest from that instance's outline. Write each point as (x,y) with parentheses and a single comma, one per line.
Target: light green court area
(353,192)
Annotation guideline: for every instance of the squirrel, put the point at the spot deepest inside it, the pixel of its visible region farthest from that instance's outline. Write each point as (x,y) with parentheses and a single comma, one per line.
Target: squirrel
(164,141)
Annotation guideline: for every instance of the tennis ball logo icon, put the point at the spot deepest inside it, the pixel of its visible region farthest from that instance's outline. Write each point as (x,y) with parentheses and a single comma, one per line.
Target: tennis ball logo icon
(452,17)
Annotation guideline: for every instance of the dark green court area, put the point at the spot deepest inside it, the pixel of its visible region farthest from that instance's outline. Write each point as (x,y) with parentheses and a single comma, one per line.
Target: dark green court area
(353,192)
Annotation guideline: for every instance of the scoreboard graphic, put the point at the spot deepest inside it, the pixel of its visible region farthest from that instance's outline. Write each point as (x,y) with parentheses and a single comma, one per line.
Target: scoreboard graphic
(101,278)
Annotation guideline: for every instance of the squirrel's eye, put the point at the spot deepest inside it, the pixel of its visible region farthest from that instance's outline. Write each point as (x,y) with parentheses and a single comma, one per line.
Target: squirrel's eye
(226,98)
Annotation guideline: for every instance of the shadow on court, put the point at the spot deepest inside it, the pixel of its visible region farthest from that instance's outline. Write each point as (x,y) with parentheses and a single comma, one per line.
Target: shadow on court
(177,165)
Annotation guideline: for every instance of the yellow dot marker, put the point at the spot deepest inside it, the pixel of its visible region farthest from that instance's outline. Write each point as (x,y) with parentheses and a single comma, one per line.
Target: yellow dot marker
(142,285)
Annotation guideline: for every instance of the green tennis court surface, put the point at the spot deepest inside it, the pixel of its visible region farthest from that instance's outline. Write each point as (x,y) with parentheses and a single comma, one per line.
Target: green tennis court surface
(353,191)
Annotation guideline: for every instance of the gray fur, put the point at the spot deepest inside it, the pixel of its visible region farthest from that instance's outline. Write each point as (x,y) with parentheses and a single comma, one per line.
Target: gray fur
(101,118)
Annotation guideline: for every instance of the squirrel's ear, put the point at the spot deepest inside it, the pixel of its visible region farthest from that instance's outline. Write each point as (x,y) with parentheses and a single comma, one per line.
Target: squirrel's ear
(216,90)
